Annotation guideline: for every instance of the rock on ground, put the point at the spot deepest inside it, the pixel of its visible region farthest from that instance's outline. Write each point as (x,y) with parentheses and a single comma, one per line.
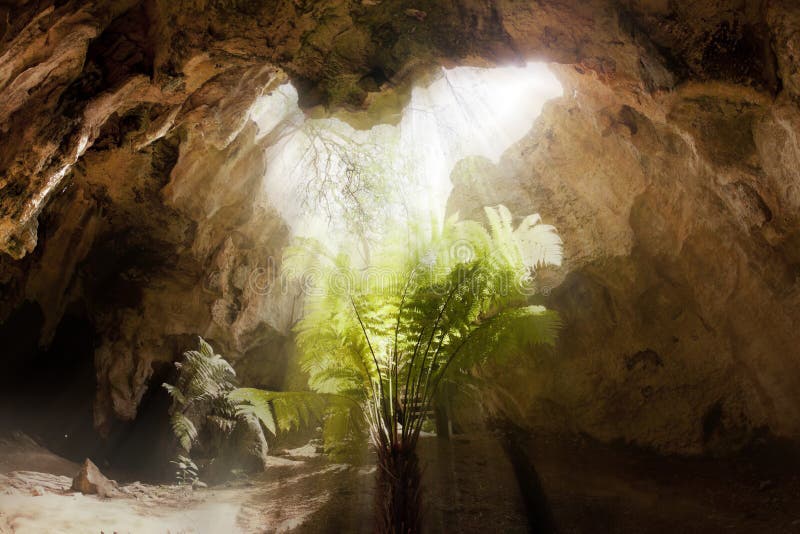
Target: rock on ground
(90,481)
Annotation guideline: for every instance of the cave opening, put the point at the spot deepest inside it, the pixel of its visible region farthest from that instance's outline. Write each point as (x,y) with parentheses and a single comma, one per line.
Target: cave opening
(50,392)
(49,396)
(333,179)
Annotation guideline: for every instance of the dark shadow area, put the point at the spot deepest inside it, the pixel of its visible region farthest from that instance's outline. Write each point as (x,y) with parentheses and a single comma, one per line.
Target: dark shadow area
(49,395)
(143,448)
(516,442)
(617,488)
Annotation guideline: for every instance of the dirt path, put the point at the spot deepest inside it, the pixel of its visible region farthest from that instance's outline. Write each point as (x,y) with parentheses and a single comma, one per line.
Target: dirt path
(469,487)
(284,499)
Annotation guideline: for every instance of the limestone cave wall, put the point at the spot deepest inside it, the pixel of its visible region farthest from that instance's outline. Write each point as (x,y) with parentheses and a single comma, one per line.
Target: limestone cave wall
(130,189)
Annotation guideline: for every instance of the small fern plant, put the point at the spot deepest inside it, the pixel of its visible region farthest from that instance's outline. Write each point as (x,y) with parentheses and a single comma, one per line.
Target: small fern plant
(200,396)
(206,401)
(186,472)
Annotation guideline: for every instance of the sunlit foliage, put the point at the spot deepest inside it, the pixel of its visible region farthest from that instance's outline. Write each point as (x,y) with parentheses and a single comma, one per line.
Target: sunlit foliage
(433,303)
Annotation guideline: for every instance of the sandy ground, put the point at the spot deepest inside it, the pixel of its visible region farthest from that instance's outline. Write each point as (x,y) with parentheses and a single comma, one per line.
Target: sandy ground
(281,500)
(469,487)
(34,501)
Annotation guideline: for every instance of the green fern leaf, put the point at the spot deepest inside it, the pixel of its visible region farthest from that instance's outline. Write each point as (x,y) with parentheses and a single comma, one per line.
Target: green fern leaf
(184,429)
(175,393)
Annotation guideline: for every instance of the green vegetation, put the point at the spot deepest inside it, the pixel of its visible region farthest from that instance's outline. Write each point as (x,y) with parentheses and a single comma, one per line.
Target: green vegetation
(380,341)
(200,396)
(430,308)
(186,472)
(207,408)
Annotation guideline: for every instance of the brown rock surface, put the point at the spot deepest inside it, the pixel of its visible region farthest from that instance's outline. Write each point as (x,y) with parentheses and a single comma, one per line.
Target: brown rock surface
(680,283)
(130,184)
(90,481)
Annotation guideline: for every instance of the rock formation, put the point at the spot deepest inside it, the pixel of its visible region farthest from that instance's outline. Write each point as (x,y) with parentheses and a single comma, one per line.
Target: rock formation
(680,285)
(90,481)
(130,187)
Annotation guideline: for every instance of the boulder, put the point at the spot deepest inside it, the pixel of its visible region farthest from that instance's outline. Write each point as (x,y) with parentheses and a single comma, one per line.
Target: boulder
(90,481)
(244,451)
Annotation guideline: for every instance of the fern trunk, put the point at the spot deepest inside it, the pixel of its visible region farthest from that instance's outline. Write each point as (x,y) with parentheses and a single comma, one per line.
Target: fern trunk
(398,497)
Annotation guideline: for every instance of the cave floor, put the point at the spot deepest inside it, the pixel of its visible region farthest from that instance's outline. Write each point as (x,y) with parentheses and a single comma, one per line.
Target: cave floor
(469,488)
(596,488)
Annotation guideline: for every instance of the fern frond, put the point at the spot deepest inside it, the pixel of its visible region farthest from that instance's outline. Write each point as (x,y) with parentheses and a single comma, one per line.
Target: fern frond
(205,348)
(223,425)
(454,296)
(279,410)
(539,243)
(175,393)
(184,430)
(250,401)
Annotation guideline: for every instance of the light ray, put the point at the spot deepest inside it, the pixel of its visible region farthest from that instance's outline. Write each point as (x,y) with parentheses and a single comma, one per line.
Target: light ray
(321,173)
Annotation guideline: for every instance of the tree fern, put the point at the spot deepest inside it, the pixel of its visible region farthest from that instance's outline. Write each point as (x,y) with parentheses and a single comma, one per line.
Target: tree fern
(449,298)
